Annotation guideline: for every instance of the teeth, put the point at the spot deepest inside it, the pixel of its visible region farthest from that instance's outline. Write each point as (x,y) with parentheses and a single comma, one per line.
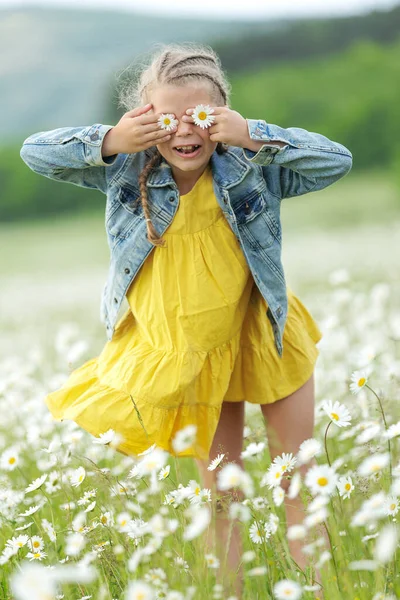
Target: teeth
(187,148)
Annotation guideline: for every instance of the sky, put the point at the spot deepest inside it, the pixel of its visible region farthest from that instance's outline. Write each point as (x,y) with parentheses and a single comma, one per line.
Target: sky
(244,9)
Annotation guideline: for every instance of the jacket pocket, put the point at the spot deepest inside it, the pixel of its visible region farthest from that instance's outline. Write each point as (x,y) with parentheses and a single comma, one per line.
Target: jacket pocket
(257,222)
(123,214)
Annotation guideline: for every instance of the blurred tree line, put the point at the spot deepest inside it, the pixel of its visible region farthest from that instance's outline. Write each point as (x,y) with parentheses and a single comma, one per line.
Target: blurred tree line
(296,78)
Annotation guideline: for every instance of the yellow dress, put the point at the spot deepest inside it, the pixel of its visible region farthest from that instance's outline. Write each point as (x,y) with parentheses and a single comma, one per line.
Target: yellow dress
(195,334)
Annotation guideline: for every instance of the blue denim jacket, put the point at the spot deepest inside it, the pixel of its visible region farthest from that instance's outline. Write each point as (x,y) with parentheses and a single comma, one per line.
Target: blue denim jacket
(249,187)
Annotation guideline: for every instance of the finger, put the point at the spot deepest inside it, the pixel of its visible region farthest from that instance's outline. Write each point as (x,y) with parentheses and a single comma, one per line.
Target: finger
(149,118)
(135,112)
(154,128)
(157,135)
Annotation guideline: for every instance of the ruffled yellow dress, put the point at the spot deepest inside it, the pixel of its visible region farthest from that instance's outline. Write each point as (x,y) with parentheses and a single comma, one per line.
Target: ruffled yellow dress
(195,334)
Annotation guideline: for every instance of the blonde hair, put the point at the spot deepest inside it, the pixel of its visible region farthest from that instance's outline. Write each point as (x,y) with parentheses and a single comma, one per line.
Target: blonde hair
(180,64)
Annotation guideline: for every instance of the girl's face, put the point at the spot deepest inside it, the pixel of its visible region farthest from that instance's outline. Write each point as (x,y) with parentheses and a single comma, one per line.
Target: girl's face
(176,100)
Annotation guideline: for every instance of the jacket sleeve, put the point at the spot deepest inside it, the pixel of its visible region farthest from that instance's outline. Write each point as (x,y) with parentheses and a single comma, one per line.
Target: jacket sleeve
(308,162)
(71,154)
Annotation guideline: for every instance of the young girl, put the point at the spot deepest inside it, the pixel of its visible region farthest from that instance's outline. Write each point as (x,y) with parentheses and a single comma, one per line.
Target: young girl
(193,224)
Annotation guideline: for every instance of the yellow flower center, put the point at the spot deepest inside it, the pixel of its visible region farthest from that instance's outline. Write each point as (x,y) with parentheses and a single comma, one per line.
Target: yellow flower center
(197,491)
(322,481)
(123,522)
(11,460)
(361,382)
(202,115)
(167,121)
(80,477)
(36,544)
(392,506)
(335,416)
(36,555)
(347,486)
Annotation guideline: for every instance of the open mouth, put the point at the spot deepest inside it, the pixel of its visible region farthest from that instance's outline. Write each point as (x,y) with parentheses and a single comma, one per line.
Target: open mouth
(188,151)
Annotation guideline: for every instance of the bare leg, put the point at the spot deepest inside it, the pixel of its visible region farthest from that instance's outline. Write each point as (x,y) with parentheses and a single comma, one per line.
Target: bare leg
(289,422)
(228,439)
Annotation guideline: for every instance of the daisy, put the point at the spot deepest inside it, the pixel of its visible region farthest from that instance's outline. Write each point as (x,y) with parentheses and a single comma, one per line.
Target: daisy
(321,479)
(286,589)
(345,486)
(272,477)
(153,461)
(49,529)
(106,438)
(373,464)
(202,115)
(35,543)
(139,590)
(74,543)
(257,533)
(9,459)
(359,379)
(392,504)
(30,511)
(253,449)
(308,450)
(337,412)
(393,431)
(184,438)
(237,510)
(35,485)
(212,561)
(36,555)
(164,472)
(214,463)
(278,495)
(78,476)
(15,543)
(295,485)
(386,543)
(167,121)
(200,522)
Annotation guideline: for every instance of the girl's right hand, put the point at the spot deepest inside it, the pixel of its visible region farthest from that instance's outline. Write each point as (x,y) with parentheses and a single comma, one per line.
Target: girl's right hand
(137,130)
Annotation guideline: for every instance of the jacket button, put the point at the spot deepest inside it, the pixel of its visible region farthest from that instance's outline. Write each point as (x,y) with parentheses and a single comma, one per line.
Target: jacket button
(279,311)
(127,270)
(94,136)
(172,198)
(115,300)
(246,209)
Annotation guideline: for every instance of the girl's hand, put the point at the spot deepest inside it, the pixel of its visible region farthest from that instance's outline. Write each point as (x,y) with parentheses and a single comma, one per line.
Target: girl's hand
(137,130)
(228,127)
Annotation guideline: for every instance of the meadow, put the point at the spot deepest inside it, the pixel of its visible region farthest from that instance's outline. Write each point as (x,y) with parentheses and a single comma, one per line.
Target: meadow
(79,520)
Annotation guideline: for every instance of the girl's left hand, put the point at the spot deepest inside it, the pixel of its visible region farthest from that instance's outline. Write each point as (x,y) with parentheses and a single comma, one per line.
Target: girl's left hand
(229,126)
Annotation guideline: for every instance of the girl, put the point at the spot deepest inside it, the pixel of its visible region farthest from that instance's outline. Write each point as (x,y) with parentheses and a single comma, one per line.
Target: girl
(193,224)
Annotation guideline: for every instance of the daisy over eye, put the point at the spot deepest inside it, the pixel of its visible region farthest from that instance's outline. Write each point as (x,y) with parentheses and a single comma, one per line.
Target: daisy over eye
(202,115)
(167,121)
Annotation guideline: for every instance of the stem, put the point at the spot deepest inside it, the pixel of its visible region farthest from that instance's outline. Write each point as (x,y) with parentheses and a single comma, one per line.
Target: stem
(326,444)
(386,426)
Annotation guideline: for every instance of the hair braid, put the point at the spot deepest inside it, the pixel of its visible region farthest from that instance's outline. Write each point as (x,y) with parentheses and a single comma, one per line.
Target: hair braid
(152,234)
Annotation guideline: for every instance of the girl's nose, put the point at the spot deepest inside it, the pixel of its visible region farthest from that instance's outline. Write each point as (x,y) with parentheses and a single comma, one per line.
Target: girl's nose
(185,124)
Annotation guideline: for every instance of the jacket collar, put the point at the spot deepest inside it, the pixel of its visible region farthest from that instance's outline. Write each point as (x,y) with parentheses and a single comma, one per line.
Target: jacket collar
(228,170)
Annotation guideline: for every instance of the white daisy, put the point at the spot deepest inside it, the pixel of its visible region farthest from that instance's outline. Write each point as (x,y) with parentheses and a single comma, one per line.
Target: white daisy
(278,495)
(78,476)
(345,486)
(35,543)
(253,449)
(15,543)
(373,464)
(212,561)
(37,555)
(106,438)
(202,115)
(393,431)
(358,380)
(286,589)
(139,590)
(321,479)
(308,450)
(164,472)
(255,571)
(35,485)
(386,543)
(167,121)
(257,533)
(272,477)
(184,438)
(214,463)
(337,412)
(393,505)
(9,459)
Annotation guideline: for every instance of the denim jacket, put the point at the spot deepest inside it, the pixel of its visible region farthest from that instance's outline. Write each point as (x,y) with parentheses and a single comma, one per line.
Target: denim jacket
(249,187)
